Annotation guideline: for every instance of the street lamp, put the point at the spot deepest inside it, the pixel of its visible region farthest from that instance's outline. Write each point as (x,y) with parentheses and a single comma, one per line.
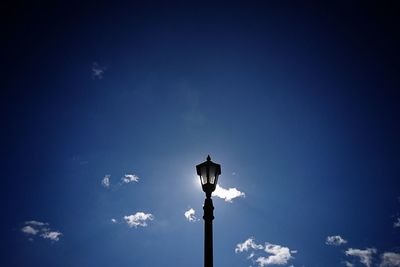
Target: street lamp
(208,172)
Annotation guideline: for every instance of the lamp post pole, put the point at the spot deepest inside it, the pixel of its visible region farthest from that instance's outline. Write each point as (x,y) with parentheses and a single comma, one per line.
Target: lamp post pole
(208,231)
(208,172)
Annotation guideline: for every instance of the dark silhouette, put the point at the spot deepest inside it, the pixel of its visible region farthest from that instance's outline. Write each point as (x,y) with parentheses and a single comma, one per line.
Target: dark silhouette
(208,172)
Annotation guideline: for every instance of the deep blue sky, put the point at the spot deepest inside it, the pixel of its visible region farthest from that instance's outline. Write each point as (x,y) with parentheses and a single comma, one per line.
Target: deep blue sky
(299,103)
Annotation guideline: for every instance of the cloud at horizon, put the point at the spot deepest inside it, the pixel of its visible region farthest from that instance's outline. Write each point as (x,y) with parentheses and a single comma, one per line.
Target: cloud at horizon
(267,254)
(364,255)
(390,259)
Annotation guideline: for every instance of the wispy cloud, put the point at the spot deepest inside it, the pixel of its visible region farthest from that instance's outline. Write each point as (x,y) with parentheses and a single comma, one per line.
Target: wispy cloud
(364,255)
(32,228)
(335,240)
(227,194)
(190,215)
(114,220)
(138,219)
(276,254)
(130,178)
(126,179)
(390,259)
(36,223)
(52,235)
(106,181)
(29,230)
(97,71)
(348,264)
(397,224)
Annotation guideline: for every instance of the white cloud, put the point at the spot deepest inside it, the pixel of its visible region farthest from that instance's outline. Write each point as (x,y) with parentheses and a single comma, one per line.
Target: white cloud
(335,240)
(52,235)
(126,179)
(276,254)
(29,230)
(106,181)
(34,227)
(113,220)
(246,245)
(365,255)
(138,219)
(191,215)
(97,71)
(280,255)
(129,178)
(390,259)
(348,264)
(227,194)
(397,224)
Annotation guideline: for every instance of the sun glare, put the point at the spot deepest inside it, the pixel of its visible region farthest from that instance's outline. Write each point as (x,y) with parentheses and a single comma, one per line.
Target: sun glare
(196,182)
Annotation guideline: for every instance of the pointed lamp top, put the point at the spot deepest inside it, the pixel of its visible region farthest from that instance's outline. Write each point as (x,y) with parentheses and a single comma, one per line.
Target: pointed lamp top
(208,158)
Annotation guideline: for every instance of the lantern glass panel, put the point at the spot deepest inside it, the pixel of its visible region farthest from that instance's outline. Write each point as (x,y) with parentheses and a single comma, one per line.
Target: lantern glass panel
(212,174)
(203,175)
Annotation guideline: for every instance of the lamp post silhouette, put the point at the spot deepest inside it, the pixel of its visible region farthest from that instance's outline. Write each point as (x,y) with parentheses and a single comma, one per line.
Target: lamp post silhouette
(208,172)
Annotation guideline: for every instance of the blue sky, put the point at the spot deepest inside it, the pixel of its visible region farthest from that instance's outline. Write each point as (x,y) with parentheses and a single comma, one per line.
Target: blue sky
(107,108)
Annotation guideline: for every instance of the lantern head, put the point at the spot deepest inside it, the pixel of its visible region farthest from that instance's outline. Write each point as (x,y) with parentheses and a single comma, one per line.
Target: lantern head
(208,172)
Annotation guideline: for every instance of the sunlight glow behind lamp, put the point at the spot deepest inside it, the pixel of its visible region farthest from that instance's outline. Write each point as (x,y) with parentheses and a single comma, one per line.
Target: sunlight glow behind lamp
(208,172)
